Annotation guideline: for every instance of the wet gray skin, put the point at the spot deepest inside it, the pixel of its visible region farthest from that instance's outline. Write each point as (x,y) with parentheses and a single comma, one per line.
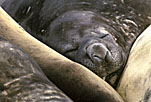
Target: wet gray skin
(21,79)
(95,33)
(1,1)
(82,38)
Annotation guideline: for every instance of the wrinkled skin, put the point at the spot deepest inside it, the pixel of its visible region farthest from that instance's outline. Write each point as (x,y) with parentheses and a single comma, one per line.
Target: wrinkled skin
(21,79)
(95,33)
(85,40)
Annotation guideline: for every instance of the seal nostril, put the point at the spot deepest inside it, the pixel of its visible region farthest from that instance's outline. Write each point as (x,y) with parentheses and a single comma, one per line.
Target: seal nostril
(108,57)
(98,53)
(96,56)
(96,59)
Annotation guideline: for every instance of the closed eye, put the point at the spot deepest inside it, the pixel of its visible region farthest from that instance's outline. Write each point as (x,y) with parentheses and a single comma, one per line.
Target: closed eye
(104,36)
(71,50)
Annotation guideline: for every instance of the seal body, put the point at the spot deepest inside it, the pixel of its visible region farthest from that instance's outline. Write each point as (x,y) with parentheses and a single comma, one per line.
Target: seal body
(97,34)
(143,6)
(134,85)
(22,80)
(1,1)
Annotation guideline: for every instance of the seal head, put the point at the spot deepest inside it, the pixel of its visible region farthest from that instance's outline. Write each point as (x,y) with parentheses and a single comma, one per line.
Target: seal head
(85,37)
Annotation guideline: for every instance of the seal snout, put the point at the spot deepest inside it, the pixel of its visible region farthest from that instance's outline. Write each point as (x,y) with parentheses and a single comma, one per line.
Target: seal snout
(99,53)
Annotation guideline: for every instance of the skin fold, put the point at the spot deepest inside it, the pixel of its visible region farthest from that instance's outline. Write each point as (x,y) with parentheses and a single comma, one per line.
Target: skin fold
(95,33)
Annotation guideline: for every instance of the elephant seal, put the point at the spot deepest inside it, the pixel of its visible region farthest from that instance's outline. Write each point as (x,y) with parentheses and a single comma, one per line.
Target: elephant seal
(21,79)
(78,82)
(134,85)
(97,34)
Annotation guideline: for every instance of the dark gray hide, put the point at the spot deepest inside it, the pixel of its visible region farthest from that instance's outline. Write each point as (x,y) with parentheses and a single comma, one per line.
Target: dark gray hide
(21,79)
(142,6)
(1,1)
(95,33)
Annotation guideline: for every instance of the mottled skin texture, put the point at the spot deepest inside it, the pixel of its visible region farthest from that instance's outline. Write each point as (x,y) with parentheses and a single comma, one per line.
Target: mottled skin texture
(95,33)
(143,6)
(21,79)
